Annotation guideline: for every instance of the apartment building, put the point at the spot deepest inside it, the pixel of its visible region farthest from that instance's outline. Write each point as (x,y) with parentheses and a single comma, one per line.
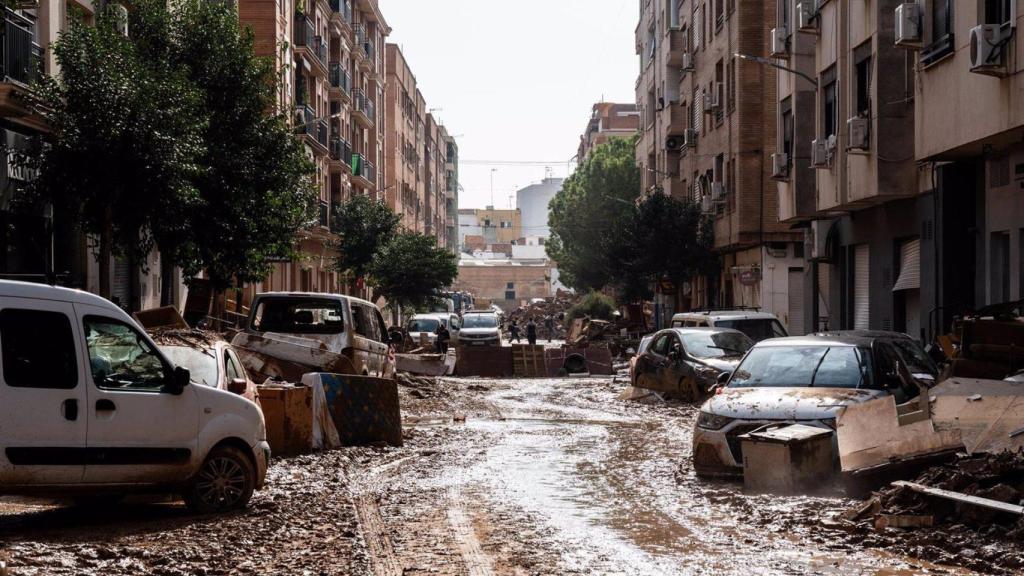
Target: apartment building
(336,79)
(608,120)
(969,131)
(490,226)
(451,192)
(845,163)
(708,129)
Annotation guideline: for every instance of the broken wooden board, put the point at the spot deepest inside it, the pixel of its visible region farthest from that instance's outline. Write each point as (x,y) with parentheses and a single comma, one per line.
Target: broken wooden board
(986,412)
(871,434)
(963,498)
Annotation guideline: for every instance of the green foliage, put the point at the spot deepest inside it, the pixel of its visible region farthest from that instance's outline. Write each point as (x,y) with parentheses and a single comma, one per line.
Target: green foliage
(171,138)
(411,269)
(126,140)
(365,227)
(663,238)
(595,305)
(586,214)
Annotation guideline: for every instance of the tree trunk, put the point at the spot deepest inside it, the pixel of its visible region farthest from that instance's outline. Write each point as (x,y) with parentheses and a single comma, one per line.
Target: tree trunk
(106,249)
(217,308)
(166,281)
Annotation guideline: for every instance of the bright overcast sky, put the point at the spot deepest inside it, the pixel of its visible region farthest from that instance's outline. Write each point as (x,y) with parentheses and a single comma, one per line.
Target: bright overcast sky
(516,79)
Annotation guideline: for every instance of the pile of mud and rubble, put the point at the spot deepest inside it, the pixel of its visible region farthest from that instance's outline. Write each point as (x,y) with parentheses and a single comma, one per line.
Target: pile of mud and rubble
(952,529)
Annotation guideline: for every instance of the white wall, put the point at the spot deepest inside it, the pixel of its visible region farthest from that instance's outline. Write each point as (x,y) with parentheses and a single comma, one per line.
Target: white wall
(533,201)
(529,252)
(775,284)
(468,226)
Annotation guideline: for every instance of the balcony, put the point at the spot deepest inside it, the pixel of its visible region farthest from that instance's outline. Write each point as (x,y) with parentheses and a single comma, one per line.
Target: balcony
(306,40)
(366,53)
(364,111)
(305,120)
(320,46)
(673,120)
(363,171)
(341,80)
(342,11)
(322,132)
(324,214)
(21,56)
(361,40)
(676,47)
(340,150)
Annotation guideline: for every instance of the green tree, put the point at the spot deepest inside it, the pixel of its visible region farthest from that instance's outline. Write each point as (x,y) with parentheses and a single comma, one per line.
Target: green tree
(255,188)
(585,215)
(411,269)
(365,226)
(663,238)
(126,142)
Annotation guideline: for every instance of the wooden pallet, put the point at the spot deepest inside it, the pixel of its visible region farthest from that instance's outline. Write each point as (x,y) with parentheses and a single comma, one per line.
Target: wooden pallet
(528,361)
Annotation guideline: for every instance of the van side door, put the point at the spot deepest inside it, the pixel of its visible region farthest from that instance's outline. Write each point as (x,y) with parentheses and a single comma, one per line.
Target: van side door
(42,394)
(139,430)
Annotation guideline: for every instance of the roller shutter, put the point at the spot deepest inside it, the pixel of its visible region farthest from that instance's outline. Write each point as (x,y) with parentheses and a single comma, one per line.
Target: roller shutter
(861,288)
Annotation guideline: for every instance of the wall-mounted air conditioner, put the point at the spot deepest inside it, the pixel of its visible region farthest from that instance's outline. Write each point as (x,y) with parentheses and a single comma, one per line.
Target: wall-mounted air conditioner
(780,165)
(819,153)
(690,138)
(688,63)
(908,25)
(988,47)
(780,42)
(807,16)
(859,133)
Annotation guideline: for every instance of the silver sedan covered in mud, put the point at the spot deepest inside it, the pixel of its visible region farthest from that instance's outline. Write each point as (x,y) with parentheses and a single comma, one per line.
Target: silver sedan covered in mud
(806,380)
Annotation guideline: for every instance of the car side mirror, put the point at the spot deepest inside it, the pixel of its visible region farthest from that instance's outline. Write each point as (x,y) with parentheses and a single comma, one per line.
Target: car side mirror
(238,386)
(723,378)
(180,378)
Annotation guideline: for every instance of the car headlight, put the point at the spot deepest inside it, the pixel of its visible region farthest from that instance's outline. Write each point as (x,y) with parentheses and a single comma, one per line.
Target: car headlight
(709,421)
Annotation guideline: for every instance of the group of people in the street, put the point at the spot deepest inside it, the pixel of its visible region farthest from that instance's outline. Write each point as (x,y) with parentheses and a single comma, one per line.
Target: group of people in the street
(531,330)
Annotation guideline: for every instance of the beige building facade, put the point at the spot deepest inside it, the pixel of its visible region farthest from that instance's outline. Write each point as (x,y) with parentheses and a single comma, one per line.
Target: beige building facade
(608,120)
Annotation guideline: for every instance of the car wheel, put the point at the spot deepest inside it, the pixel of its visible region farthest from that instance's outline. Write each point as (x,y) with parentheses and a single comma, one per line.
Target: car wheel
(688,390)
(225,482)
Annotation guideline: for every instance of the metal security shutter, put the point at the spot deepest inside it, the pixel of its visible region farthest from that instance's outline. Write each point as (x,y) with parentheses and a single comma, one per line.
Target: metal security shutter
(121,291)
(861,288)
(796,302)
(910,267)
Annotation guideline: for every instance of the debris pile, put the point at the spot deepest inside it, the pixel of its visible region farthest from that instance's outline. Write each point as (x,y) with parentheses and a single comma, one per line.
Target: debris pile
(980,494)
(554,308)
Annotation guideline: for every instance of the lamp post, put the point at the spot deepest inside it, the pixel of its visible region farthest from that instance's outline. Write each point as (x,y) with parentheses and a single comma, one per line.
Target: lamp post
(773,64)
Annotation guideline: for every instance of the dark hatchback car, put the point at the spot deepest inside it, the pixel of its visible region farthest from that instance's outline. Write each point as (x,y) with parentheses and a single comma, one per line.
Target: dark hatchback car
(685,362)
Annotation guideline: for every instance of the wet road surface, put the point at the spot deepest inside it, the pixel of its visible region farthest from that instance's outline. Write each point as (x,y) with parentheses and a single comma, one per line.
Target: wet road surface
(497,477)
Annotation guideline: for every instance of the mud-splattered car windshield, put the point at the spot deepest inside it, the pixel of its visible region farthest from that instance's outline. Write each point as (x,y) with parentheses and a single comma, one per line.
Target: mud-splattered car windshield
(480,321)
(804,366)
(716,344)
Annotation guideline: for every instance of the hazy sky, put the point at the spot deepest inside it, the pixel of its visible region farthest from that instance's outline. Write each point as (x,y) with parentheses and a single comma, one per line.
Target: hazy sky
(516,79)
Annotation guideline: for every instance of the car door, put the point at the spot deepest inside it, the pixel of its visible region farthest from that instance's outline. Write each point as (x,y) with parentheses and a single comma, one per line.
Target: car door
(675,366)
(455,327)
(653,362)
(139,432)
(42,393)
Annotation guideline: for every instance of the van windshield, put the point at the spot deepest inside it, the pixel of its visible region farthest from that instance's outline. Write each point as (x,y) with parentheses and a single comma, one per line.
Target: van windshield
(480,321)
(299,316)
(757,329)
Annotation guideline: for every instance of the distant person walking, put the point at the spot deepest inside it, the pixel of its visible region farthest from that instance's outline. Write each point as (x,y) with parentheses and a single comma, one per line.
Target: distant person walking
(549,325)
(443,336)
(531,332)
(515,331)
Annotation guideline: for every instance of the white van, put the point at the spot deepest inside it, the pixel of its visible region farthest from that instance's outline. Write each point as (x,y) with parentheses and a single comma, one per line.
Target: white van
(89,406)
(303,324)
(755,324)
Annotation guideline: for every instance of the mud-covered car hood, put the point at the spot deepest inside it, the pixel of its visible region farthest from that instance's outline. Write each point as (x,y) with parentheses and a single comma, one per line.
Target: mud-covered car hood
(786,403)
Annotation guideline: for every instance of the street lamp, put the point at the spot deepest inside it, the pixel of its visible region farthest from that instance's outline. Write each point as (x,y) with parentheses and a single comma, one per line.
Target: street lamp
(773,64)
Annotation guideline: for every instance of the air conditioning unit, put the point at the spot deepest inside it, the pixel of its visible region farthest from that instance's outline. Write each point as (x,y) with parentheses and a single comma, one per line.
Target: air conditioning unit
(780,165)
(819,153)
(717,191)
(675,143)
(987,47)
(859,132)
(806,16)
(707,206)
(780,41)
(908,25)
(690,138)
(688,65)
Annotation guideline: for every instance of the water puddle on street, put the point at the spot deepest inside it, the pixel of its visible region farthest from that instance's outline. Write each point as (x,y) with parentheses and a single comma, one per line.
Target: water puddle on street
(608,483)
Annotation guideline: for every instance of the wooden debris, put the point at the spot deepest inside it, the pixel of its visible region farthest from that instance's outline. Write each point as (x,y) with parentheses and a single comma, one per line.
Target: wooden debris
(962,498)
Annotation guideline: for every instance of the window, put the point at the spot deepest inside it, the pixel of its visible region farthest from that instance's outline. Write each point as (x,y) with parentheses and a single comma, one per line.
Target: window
(829,104)
(510,295)
(730,88)
(941,32)
(698,27)
(999,252)
(299,316)
(120,358)
(862,79)
(786,128)
(673,13)
(364,322)
(784,15)
(660,345)
(718,93)
(233,367)
(997,11)
(719,13)
(38,349)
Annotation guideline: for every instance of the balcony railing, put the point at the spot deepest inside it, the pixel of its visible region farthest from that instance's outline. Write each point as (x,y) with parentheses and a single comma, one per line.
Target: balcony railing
(305,33)
(321,50)
(21,56)
(322,131)
(306,120)
(340,78)
(340,149)
(344,8)
(324,211)
(361,37)
(371,52)
(363,168)
(364,104)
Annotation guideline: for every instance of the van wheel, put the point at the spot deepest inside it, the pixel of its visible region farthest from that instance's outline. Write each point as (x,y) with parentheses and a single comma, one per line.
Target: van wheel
(225,482)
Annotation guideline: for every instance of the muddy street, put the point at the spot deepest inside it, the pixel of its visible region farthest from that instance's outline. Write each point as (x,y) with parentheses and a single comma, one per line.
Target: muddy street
(496,477)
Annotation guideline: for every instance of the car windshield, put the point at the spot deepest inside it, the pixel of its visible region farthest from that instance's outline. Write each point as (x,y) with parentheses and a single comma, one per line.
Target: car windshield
(804,366)
(201,364)
(716,344)
(480,321)
(299,316)
(423,325)
(917,360)
(758,329)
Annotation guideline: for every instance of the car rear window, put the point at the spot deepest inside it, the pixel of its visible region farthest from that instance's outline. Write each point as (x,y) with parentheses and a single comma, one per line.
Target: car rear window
(299,316)
(803,367)
(202,364)
(38,349)
(423,325)
(757,329)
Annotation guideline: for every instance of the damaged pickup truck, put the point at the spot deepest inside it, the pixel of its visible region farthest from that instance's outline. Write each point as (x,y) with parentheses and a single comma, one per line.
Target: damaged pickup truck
(805,380)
